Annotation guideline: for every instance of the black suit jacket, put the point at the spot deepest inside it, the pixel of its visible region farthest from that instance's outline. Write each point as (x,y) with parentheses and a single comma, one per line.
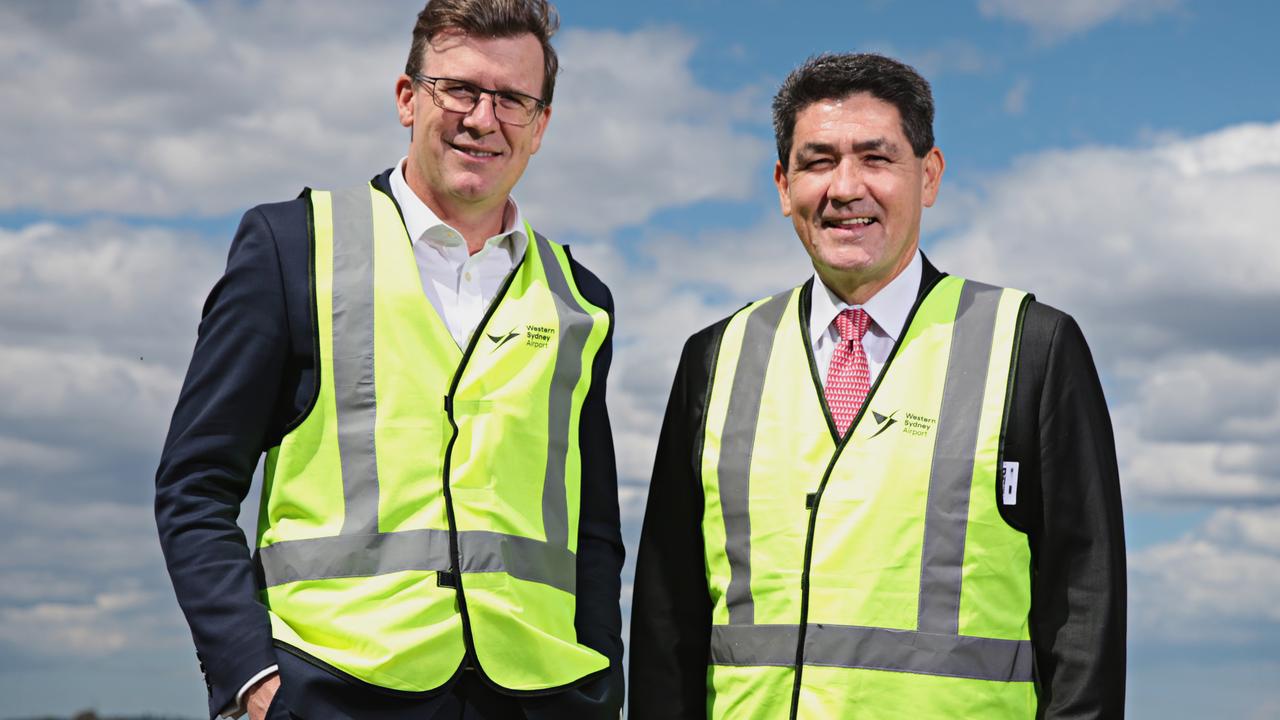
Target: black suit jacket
(253,376)
(1068,504)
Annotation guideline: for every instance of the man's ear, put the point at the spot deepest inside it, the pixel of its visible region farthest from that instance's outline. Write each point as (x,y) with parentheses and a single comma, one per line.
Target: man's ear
(784,188)
(404,100)
(934,165)
(539,127)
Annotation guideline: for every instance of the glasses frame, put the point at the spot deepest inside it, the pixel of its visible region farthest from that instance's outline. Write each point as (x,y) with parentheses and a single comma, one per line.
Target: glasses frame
(428,80)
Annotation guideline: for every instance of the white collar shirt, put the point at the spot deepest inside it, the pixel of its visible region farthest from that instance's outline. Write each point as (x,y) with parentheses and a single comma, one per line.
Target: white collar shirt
(459,285)
(888,310)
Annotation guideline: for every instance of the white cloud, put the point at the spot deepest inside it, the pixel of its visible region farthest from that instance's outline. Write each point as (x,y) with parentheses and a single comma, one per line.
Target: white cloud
(951,57)
(1215,585)
(1159,253)
(1015,101)
(174,108)
(104,623)
(1053,20)
(1107,234)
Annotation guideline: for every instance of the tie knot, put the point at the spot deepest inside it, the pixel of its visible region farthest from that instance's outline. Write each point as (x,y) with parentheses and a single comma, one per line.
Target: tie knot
(852,324)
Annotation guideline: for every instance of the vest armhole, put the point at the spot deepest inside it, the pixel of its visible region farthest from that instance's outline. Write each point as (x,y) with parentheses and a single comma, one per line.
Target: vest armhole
(312,313)
(1007,511)
(712,359)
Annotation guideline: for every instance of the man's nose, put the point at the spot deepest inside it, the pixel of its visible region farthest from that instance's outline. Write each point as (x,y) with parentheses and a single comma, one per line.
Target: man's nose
(483,117)
(847,182)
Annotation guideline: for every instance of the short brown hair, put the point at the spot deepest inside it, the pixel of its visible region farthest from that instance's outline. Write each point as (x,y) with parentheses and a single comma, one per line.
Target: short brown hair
(489,19)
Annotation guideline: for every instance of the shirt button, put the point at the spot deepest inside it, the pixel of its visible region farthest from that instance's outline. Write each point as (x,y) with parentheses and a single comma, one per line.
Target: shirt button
(467,277)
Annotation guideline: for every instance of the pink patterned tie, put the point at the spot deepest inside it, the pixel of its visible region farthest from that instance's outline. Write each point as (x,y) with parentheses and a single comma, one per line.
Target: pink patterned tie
(848,377)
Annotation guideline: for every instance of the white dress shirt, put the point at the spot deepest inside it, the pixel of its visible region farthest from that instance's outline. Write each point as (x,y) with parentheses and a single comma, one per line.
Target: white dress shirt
(459,285)
(888,310)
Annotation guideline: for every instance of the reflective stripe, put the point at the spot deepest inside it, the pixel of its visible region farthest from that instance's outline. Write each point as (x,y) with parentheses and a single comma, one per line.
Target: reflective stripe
(353,382)
(520,557)
(341,556)
(951,474)
(737,442)
(575,328)
(874,649)
(935,648)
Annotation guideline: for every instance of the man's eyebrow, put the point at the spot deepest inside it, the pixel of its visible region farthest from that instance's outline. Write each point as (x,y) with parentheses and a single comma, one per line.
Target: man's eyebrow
(815,148)
(875,144)
(826,148)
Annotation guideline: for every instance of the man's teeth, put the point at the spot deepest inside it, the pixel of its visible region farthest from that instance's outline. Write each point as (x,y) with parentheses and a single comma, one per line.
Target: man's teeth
(478,153)
(854,221)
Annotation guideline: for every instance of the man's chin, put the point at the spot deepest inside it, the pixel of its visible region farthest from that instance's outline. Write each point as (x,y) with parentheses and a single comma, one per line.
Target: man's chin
(472,188)
(848,263)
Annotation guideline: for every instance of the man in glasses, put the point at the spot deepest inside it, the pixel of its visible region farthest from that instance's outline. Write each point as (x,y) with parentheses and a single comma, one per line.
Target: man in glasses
(438,534)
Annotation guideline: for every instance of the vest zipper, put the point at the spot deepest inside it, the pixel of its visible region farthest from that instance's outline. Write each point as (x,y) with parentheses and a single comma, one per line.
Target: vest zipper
(815,503)
(455,555)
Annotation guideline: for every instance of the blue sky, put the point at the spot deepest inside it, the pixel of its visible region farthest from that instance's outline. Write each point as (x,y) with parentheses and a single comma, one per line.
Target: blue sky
(1120,158)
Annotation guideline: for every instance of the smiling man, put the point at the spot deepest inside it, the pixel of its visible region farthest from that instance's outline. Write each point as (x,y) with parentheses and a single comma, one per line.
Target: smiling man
(888,492)
(438,532)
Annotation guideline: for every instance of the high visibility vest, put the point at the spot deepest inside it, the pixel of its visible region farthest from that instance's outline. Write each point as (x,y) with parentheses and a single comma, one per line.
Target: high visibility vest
(427,506)
(869,576)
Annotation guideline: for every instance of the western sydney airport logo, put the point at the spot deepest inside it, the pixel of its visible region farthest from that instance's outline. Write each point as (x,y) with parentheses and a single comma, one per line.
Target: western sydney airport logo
(501,339)
(536,336)
(911,423)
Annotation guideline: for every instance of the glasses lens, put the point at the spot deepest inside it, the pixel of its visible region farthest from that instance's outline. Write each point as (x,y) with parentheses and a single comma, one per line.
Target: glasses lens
(456,96)
(514,109)
(508,107)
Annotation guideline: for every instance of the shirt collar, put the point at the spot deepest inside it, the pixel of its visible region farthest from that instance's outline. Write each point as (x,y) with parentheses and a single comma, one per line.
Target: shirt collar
(422,224)
(888,308)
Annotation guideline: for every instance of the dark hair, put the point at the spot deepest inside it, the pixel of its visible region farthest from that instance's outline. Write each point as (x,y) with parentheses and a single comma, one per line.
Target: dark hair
(837,76)
(489,19)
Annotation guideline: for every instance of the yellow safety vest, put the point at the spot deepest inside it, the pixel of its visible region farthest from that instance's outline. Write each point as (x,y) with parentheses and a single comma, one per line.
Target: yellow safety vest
(427,506)
(868,577)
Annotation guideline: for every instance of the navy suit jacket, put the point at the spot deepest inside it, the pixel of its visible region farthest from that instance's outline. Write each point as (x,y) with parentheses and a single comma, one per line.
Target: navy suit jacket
(252,378)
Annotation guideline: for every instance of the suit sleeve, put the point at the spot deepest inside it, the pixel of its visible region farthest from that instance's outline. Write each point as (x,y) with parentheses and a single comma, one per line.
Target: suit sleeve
(1078,581)
(215,438)
(671,606)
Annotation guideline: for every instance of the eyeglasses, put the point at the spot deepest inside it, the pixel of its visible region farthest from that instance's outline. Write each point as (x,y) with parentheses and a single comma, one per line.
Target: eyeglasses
(509,106)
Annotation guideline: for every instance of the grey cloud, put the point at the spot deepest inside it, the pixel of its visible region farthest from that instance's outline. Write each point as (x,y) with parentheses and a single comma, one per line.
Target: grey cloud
(98,321)
(624,144)
(1210,397)
(102,287)
(82,580)
(171,108)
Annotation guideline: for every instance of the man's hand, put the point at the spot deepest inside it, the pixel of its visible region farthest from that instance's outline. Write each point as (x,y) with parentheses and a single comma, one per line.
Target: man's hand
(259,697)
